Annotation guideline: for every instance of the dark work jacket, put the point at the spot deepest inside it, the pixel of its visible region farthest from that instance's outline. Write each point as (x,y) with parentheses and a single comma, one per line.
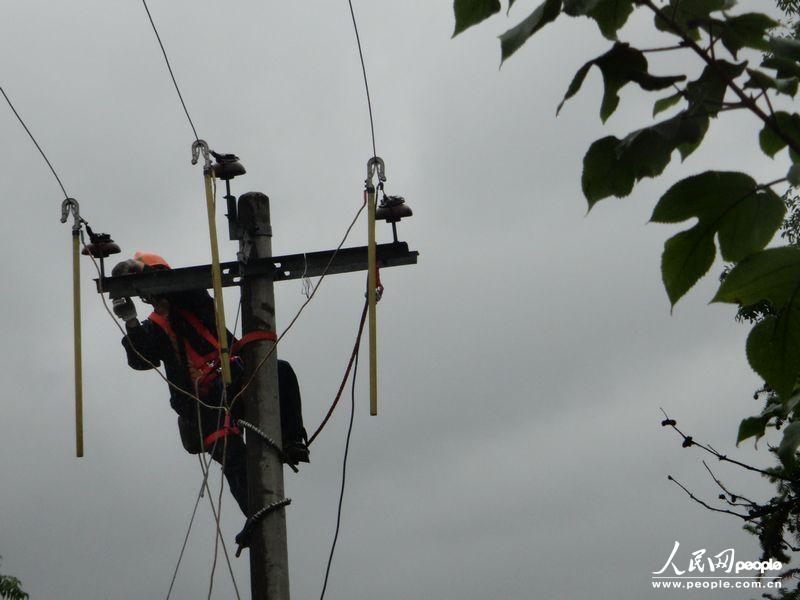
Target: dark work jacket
(155,345)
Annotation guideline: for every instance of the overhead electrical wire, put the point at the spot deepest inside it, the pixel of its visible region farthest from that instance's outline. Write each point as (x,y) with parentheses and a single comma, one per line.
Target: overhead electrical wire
(35,143)
(346,376)
(364,72)
(169,67)
(344,461)
(354,355)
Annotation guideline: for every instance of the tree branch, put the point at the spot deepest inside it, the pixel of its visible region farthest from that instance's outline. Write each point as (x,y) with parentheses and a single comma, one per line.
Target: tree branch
(664,48)
(753,106)
(733,497)
(689,441)
(706,505)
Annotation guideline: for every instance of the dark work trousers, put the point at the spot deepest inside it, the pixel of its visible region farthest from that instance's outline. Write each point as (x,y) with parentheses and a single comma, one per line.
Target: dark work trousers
(236,451)
(235,455)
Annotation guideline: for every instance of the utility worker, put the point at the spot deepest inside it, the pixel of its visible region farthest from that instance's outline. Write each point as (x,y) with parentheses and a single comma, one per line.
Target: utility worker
(180,333)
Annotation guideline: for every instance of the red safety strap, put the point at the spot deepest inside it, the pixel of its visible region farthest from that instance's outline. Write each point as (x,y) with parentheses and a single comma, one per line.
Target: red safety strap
(204,365)
(207,365)
(198,361)
(200,328)
(253,336)
(221,433)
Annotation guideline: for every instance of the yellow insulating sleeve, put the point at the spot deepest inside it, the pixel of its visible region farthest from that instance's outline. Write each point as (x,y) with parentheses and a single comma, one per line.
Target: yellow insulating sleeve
(216,278)
(76,305)
(372,301)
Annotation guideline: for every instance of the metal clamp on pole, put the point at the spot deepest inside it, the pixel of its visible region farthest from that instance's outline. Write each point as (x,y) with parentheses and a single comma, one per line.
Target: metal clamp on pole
(374,164)
(70,205)
(199,146)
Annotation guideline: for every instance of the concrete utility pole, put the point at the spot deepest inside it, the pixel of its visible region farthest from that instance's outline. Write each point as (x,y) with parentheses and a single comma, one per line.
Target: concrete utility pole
(269,563)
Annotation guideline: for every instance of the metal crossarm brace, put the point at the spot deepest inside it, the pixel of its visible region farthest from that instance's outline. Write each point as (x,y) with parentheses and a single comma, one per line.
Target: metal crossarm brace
(292,266)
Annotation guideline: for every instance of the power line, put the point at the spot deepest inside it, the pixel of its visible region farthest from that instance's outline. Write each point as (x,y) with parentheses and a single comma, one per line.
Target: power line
(186,537)
(344,465)
(35,143)
(364,71)
(169,67)
(344,378)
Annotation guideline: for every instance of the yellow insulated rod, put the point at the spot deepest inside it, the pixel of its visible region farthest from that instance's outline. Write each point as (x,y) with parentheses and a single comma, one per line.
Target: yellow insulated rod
(76,307)
(216,278)
(372,301)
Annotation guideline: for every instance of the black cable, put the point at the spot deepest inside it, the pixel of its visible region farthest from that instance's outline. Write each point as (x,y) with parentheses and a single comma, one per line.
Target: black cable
(364,71)
(35,143)
(169,67)
(344,470)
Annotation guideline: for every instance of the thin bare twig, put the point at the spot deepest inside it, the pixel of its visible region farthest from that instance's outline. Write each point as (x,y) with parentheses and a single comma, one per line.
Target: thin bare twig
(689,441)
(705,504)
(664,48)
(732,496)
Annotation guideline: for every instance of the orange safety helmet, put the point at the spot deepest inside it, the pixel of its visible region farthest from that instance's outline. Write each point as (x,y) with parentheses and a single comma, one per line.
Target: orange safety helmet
(151,260)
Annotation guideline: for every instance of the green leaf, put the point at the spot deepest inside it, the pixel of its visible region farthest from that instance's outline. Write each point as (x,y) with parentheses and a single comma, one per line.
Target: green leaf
(472,12)
(789,444)
(612,166)
(575,84)
(611,15)
(752,427)
(772,275)
(761,81)
(686,148)
(576,8)
(773,349)
(794,174)
(604,174)
(707,93)
(788,124)
(664,103)
(773,346)
(730,204)
(686,258)
(786,48)
(688,15)
(742,31)
(513,39)
(649,150)
(726,204)
(784,67)
(619,66)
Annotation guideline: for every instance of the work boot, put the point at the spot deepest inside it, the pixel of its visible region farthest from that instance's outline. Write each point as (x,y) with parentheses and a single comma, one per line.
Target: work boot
(296,452)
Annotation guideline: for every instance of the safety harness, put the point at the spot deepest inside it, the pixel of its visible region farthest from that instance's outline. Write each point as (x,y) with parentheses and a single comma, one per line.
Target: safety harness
(205,369)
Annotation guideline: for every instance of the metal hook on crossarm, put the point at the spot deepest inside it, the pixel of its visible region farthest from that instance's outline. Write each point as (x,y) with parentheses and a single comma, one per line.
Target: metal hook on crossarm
(197,147)
(70,205)
(375,164)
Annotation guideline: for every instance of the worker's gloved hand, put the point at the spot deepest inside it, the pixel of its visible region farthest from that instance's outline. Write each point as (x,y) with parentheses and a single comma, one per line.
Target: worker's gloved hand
(127,266)
(125,309)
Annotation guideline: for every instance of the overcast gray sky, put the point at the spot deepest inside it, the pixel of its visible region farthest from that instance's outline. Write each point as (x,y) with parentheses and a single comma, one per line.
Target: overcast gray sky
(518,452)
